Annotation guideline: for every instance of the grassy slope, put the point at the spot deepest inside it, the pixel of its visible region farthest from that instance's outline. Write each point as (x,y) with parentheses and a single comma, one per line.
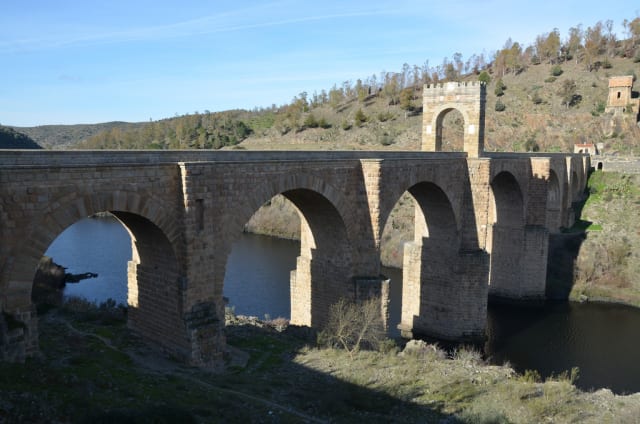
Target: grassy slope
(608,264)
(92,369)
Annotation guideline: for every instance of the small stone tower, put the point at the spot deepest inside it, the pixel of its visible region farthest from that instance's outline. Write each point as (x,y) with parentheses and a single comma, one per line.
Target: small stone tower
(620,96)
(467,98)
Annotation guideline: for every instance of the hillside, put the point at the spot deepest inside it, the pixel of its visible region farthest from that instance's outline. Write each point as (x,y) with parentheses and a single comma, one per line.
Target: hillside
(11,139)
(69,136)
(546,96)
(533,117)
(548,124)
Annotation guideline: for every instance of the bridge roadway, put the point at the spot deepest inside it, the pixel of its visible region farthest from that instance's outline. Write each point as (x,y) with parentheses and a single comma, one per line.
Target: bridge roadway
(481,228)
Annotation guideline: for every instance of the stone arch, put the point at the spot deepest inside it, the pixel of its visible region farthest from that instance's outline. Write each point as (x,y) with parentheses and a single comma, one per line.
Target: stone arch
(469,99)
(439,121)
(325,267)
(554,203)
(507,205)
(436,290)
(153,272)
(506,235)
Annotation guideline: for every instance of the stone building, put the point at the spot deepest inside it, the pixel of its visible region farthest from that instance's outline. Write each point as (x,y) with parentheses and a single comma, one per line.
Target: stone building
(621,97)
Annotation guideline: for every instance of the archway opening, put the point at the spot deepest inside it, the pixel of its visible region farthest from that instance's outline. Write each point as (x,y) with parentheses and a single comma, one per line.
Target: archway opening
(450,131)
(87,260)
(303,278)
(554,203)
(506,235)
(257,272)
(125,257)
(421,230)
(398,230)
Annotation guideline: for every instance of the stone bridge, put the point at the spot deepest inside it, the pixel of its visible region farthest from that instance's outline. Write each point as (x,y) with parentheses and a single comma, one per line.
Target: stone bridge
(482,227)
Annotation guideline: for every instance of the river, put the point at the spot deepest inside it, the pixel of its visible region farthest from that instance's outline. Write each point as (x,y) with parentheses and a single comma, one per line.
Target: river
(600,339)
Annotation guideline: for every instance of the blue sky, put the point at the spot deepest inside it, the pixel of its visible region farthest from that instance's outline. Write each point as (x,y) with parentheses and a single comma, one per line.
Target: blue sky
(71,62)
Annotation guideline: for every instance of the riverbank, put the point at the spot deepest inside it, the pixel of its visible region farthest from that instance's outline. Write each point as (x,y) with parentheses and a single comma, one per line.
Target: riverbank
(92,369)
(607,265)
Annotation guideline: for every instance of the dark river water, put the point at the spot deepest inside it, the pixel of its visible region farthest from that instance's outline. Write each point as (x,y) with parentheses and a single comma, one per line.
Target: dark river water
(601,339)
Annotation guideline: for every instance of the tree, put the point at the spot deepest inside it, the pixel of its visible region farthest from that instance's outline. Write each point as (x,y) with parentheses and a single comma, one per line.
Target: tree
(573,44)
(567,92)
(361,91)
(335,97)
(484,77)
(548,46)
(391,88)
(458,64)
(406,97)
(633,31)
(593,44)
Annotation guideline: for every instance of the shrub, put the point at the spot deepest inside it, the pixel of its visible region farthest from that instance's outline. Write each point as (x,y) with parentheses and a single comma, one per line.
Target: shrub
(360,118)
(531,376)
(385,116)
(598,108)
(354,326)
(500,87)
(536,99)
(550,79)
(500,107)
(323,123)
(310,121)
(556,71)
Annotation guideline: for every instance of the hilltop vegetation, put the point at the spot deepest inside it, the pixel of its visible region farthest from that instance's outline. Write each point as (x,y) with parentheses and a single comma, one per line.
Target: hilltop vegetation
(545,96)
(68,136)
(11,139)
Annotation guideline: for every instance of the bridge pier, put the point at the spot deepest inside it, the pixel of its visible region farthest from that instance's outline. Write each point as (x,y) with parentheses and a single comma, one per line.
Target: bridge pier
(18,334)
(444,292)
(518,271)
